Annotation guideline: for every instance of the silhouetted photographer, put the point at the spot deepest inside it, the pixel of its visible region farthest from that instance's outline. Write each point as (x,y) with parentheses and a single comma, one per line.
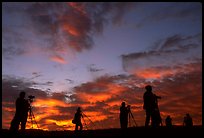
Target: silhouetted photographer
(123,116)
(188,121)
(151,107)
(168,121)
(22,108)
(77,119)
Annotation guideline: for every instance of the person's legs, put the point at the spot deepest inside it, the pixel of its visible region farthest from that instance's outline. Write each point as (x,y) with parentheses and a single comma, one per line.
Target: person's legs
(148,113)
(14,125)
(156,118)
(23,123)
(76,127)
(81,127)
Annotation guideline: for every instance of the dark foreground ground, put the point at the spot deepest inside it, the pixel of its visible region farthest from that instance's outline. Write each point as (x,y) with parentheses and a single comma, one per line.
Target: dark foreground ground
(136,132)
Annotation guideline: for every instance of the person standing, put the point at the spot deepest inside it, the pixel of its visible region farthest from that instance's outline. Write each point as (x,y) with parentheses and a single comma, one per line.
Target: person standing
(22,108)
(77,119)
(188,121)
(151,107)
(123,116)
(168,121)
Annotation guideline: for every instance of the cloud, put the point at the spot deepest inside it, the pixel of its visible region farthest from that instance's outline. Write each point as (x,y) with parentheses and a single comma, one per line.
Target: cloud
(101,99)
(92,68)
(56,28)
(44,107)
(36,75)
(70,81)
(58,59)
(169,56)
(175,91)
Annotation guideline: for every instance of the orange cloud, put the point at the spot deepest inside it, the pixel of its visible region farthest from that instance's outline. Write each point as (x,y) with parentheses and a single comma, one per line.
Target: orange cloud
(105,92)
(101,100)
(95,116)
(94,98)
(58,59)
(8,109)
(71,30)
(78,7)
(48,103)
(152,73)
(114,103)
(60,122)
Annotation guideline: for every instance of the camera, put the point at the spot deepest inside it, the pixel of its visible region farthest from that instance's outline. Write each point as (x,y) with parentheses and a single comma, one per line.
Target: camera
(128,108)
(30,98)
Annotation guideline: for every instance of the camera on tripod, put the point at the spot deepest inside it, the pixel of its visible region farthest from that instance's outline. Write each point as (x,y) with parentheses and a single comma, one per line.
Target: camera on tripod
(128,108)
(31,114)
(130,116)
(30,98)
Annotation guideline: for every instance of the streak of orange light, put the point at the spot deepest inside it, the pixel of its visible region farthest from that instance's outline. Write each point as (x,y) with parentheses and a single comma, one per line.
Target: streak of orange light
(58,59)
(153,73)
(71,30)
(49,103)
(8,109)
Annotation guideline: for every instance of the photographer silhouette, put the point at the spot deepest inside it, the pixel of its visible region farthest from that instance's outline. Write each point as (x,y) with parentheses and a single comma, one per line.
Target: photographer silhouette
(151,107)
(77,119)
(22,108)
(123,116)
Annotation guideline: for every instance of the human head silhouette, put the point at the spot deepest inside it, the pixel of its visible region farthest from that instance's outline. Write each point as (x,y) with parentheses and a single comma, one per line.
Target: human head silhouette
(123,104)
(148,88)
(78,109)
(22,94)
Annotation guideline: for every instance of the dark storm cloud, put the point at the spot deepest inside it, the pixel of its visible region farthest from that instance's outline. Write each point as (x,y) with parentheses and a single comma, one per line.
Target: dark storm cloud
(58,27)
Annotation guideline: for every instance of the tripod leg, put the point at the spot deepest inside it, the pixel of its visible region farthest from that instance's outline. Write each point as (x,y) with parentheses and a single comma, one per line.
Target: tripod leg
(133,118)
(129,121)
(33,120)
(30,117)
(88,119)
(85,123)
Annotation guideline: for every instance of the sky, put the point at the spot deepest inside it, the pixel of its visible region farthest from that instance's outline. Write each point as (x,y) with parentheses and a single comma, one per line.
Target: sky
(97,55)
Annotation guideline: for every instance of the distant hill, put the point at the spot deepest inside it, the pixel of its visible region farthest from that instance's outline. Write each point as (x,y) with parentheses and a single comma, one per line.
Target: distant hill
(174,132)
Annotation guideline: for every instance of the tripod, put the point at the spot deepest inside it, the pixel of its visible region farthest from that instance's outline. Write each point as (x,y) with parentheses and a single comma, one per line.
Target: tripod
(32,117)
(84,115)
(130,115)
